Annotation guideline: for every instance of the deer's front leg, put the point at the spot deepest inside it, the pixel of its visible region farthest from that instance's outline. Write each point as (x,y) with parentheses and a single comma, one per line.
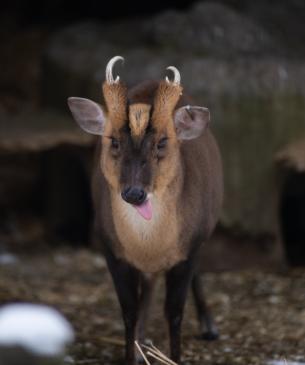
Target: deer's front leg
(126,281)
(177,283)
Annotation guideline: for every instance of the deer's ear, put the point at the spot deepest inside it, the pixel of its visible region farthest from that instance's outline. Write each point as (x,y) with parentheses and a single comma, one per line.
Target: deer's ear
(88,115)
(191,121)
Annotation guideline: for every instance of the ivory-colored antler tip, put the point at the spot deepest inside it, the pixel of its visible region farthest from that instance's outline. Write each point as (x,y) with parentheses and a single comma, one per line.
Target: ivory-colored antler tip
(177,76)
(118,58)
(109,69)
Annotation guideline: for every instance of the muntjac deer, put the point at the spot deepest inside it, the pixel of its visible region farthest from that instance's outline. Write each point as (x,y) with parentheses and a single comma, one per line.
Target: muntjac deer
(157,192)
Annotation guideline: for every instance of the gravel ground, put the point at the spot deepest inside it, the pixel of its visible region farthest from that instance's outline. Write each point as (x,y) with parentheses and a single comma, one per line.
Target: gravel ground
(261,315)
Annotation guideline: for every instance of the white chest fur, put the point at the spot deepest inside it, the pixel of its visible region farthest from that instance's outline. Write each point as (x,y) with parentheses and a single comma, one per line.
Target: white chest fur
(152,245)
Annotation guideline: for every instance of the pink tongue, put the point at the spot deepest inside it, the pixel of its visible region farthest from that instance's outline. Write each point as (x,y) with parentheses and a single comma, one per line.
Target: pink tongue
(145,209)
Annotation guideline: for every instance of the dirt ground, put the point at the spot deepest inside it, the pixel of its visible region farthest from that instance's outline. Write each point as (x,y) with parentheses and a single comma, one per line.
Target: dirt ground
(260,315)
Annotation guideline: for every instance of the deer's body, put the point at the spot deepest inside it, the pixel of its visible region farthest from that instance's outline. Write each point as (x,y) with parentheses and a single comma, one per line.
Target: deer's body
(155,203)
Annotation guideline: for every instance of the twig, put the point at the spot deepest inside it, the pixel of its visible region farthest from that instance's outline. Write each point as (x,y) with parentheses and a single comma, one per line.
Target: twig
(154,352)
(113,341)
(153,349)
(142,353)
(155,356)
(162,355)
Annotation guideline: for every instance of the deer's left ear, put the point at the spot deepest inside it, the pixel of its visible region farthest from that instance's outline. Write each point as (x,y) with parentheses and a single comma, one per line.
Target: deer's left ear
(88,115)
(191,121)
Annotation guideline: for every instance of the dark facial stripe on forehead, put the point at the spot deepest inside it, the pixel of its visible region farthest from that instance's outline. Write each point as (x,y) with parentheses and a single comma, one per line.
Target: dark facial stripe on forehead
(139,117)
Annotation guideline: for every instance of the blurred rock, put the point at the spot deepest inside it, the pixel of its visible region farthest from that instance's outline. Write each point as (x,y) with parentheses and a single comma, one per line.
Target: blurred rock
(211,28)
(75,58)
(264,78)
(72,59)
(37,130)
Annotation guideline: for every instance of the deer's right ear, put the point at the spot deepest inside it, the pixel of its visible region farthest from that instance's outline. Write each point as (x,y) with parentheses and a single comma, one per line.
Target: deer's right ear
(88,115)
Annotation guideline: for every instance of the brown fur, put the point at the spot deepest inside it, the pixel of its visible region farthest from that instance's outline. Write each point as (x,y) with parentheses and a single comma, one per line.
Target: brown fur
(166,98)
(187,191)
(115,96)
(140,240)
(138,119)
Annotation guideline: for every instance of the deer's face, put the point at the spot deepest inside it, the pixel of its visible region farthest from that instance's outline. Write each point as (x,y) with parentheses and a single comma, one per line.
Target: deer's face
(140,153)
(140,159)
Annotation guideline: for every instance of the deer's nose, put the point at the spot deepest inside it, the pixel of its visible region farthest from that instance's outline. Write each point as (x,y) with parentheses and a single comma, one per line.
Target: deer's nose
(134,195)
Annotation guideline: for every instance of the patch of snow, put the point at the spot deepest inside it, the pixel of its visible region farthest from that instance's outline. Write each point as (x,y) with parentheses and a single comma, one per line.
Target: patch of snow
(8,259)
(39,329)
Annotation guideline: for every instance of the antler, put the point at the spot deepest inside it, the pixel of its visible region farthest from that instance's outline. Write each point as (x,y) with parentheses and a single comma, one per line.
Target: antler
(177,76)
(166,98)
(115,95)
(109,67)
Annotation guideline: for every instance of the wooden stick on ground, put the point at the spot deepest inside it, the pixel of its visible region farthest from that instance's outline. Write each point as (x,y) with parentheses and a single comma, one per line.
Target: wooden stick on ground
(112,340)
(158,358)
(162,355)
(154,352)
(142,353)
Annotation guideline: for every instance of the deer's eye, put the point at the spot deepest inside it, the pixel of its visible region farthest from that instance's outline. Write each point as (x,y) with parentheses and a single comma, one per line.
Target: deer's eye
(162,143)
(115,144)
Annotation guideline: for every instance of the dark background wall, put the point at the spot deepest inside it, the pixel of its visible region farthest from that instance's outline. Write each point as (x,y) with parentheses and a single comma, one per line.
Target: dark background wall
(250,58)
